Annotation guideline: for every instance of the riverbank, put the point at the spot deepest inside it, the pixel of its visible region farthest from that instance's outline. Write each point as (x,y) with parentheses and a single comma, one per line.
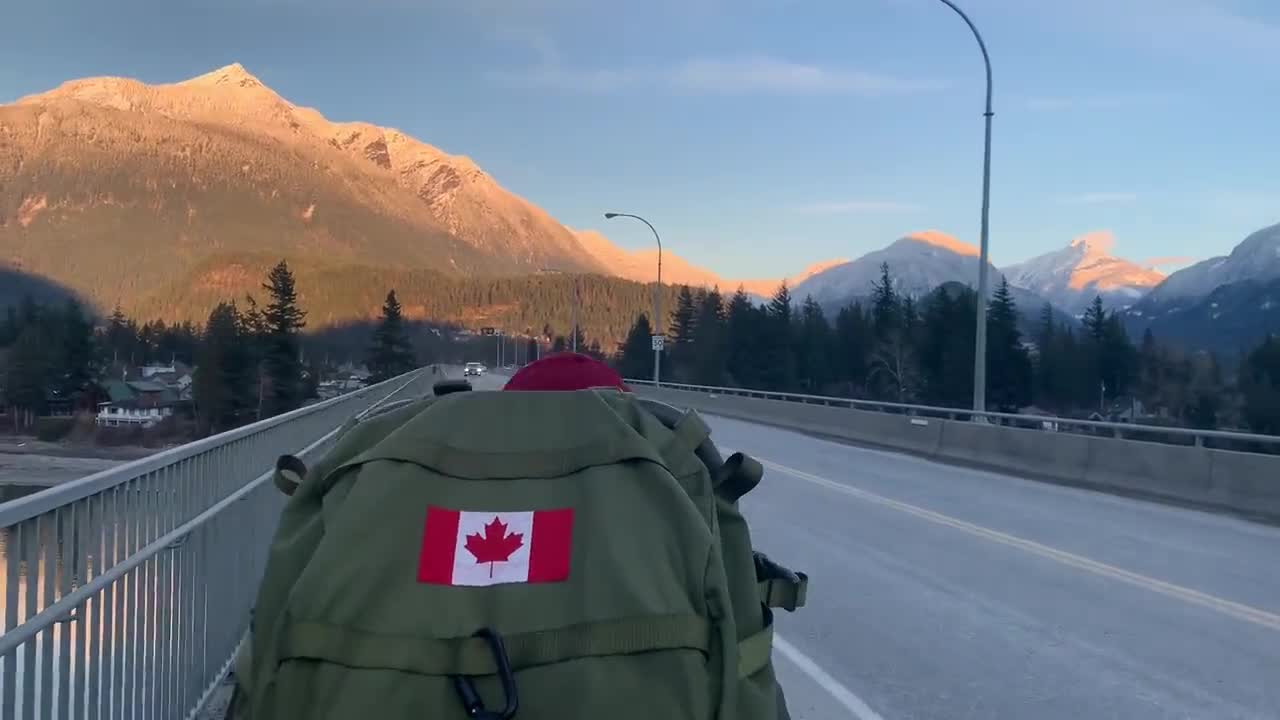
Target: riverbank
(28,465)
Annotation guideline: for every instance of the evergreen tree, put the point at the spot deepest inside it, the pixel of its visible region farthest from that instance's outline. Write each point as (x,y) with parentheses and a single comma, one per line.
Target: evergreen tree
(27,375)
(1048,364)
(854,341)
(892,371)
(778,343)
(746,326)
(1118,359)
(224,386)
(711,340)
(283,320)
(946,346)
(121,339)
(683,318)
(636,356)
(10,327)
(390,354)
(76,366)
(813,348)
(885,305)
(1009,378)
(682,333)
(1095,320)
(1260,384)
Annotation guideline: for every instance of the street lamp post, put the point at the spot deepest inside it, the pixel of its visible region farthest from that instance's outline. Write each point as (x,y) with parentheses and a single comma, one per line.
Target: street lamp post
(657,298)
(980,345)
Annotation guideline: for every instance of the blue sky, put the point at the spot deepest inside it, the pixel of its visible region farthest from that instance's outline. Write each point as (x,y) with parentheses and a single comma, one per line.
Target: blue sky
(762,135)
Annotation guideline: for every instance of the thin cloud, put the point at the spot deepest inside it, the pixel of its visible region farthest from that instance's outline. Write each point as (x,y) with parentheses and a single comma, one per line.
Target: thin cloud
(772,75)
(848,207)
(1099,198)
(754,75)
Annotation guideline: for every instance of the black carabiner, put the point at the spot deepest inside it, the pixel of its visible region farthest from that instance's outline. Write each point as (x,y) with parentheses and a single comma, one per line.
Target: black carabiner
(471,699)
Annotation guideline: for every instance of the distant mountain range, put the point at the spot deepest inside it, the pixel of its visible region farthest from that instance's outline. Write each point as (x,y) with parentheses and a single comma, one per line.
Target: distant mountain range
(1071,277)
(1225,303)
(163,197)
(121,192)
(918,263)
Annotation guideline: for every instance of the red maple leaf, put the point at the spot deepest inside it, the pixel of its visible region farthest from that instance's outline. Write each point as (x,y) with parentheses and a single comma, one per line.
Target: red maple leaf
(495,545)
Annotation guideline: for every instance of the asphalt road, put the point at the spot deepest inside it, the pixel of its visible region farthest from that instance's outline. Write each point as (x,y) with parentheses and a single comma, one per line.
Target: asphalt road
(939,592)
(951,593)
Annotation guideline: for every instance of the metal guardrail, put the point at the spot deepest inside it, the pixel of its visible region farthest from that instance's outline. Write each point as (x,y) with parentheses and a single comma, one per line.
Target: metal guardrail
(128,592)
(1052,423)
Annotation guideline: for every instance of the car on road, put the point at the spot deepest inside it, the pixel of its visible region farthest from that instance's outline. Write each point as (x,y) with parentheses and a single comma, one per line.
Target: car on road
(473,368)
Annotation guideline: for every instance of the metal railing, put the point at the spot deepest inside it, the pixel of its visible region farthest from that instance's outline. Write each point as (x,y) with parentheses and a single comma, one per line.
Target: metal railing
(1051,423)
(128,592)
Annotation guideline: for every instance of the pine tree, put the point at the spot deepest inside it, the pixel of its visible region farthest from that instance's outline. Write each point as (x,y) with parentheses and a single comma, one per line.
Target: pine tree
(390,354)
(854,340)
(224,386)
(711,340)
(636,354)
(1048,365)
(946,344)
(121,339)
(683,318)
(283,320)
(1009,378)
(885,305)
(813,348)
(1260,384)
(746,326)
(778,343)
(682,333)
(27,373)
(76,367)
(10,327)
(1095,320)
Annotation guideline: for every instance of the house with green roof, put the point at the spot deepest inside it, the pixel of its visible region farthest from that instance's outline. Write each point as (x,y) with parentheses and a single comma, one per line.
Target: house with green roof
(136,403)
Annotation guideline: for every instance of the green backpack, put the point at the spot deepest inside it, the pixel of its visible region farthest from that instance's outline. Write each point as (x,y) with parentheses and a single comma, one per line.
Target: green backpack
(530,555)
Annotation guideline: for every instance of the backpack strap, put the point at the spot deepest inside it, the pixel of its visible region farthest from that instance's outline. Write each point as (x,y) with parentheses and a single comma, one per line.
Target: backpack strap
(754,651)
(473,655)
(780,587)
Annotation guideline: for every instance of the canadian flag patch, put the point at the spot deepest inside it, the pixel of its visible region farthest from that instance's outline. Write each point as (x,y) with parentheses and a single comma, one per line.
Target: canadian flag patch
(467,547)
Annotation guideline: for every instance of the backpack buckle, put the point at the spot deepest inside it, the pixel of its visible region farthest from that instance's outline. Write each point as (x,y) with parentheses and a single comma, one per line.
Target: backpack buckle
(466,689)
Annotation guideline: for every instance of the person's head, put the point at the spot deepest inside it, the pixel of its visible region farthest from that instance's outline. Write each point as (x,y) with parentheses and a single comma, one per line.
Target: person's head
(565,371)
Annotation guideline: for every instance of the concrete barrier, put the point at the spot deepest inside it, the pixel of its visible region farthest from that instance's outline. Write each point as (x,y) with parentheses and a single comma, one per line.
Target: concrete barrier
(1237,475)
(1019,450)
(1242,482)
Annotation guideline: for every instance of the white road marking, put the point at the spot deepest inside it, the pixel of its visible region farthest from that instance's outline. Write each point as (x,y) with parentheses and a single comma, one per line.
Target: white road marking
(1230,608)
(834,687)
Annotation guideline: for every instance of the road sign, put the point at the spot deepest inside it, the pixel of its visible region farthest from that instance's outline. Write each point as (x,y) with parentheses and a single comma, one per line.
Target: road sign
(659,341)
(487,331)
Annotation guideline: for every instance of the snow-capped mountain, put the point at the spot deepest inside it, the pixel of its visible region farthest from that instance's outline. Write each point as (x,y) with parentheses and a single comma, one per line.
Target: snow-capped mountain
(1223,303)
(1071,277)
(1257,258)
(918,262)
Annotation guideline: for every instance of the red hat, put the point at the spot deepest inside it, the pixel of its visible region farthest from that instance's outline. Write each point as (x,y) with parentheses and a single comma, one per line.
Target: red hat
(565,371)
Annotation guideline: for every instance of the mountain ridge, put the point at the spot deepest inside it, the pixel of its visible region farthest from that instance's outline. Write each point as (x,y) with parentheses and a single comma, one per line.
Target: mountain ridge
(98,173)
(1071,277)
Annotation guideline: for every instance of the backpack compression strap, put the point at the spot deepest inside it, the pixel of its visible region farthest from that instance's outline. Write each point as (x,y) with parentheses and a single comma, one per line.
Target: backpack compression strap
(779,586)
